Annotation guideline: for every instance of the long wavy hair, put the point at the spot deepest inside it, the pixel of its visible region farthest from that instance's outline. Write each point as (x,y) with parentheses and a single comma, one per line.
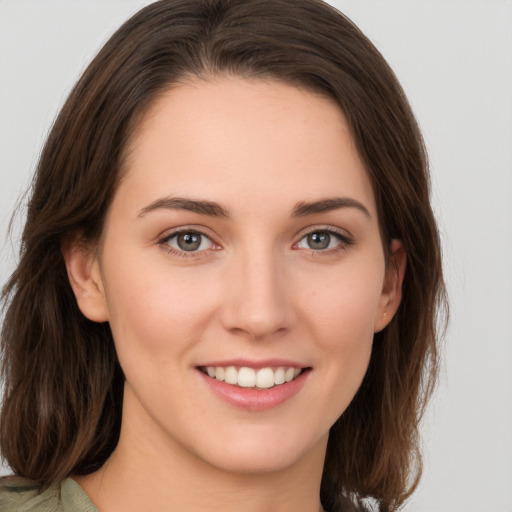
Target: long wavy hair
(63,394)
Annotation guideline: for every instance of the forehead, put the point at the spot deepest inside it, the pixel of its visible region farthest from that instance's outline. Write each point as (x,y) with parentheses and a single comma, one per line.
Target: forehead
(233,137)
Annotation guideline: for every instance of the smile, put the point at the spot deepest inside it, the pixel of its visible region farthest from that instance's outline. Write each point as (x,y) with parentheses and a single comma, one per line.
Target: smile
(244,377)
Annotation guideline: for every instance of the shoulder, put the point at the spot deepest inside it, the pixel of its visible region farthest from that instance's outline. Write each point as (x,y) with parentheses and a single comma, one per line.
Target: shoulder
(21,495)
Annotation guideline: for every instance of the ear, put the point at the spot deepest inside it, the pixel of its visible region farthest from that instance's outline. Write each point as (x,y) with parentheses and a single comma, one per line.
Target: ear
(392,287)
(84,276)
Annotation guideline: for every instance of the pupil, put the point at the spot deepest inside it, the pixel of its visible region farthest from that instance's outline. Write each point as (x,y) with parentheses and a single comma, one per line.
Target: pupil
(189,241)
(319,240)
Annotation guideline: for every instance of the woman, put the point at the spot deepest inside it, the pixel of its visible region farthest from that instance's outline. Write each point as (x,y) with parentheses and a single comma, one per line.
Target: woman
(229,276)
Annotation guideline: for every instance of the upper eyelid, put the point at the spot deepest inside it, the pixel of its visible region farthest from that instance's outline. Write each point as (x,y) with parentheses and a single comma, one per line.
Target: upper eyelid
(179,232)
(170,232)
(330,229)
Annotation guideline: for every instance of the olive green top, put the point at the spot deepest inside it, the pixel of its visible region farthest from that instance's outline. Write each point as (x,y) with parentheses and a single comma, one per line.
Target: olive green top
(18,495)
(21,495)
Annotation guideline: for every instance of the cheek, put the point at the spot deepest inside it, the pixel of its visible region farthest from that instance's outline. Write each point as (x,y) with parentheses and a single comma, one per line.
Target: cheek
(155,312)
(345,303)
(341,318)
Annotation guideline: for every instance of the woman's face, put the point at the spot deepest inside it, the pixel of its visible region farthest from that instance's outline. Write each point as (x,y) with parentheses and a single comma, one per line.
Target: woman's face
(242,244)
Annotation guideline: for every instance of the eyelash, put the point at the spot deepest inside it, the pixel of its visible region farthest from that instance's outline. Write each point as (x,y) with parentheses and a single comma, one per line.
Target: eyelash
(344,242)
(181,253)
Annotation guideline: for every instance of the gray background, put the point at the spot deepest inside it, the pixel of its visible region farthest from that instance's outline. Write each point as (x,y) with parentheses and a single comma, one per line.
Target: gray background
(454,59)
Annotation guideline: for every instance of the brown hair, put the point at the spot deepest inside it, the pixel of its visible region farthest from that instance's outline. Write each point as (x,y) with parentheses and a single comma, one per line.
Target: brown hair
(63,384)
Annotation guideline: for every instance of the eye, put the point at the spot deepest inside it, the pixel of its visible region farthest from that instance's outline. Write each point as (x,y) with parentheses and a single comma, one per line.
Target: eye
(322,240)
(187,241)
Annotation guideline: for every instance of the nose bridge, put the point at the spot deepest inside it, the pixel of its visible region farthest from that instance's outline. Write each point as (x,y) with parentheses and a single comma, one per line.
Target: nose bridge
(258,303)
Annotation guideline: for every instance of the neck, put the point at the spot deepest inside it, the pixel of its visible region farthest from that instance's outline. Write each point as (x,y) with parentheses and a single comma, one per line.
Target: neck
(153,472)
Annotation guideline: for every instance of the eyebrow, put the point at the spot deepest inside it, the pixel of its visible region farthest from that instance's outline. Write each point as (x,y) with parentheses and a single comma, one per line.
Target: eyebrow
(212,209)
(208,208)
(328,205)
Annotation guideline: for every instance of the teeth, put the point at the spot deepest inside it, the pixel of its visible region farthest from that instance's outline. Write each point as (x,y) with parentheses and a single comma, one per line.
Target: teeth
(279,376)
(230,375)
(265,378)
(245,377)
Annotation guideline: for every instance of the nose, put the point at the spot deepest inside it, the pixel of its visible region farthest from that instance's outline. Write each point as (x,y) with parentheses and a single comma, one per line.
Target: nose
(257,301)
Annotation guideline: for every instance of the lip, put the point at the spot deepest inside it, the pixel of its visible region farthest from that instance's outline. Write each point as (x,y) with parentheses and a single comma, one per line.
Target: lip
(255,365)
(251,399)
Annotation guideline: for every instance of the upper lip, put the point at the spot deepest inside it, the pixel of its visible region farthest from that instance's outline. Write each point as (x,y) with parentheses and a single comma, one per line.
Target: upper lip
(256,365)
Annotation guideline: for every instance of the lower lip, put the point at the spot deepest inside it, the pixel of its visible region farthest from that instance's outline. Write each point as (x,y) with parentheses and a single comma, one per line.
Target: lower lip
(252,399)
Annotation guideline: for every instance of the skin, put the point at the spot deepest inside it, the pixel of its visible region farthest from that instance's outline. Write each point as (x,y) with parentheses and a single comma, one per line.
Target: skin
(255,289)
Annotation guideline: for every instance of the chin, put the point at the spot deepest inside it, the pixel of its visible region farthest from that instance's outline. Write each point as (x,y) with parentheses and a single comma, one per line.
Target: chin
(250,454)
